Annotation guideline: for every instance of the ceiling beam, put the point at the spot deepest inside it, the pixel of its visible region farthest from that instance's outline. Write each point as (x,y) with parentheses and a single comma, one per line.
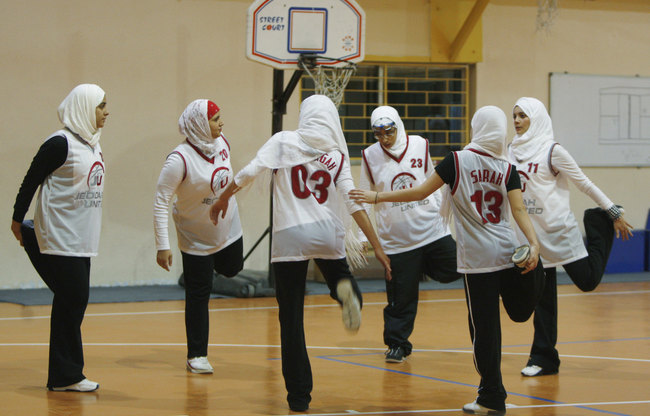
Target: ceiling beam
(464,32)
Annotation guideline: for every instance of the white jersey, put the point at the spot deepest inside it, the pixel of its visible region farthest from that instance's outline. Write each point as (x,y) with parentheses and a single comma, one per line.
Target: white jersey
(546,196)
(403,226)
(197,182)
(68,214)
(484,239)
(306,201)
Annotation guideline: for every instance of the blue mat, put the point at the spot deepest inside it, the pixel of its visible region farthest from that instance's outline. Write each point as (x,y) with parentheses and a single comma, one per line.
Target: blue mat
(29,297)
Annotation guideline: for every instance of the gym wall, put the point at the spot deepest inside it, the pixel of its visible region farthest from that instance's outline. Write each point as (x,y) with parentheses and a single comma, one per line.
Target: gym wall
(152,57)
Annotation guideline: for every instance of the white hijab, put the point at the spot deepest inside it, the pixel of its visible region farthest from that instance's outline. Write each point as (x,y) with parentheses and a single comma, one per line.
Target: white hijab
(319,131)
(489,130)
(390,113)
(539,133)
(195,126)
(77,112)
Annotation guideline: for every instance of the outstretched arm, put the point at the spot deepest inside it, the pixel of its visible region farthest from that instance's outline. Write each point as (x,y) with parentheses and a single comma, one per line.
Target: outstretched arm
(523,221)
(562,161)
(416,193)
(362,220)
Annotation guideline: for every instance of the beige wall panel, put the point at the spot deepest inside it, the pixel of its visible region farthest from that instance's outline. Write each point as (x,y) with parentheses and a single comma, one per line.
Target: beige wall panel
(397,29)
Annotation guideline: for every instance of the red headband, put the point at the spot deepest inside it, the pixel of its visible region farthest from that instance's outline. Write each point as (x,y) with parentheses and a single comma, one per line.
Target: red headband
(212,109)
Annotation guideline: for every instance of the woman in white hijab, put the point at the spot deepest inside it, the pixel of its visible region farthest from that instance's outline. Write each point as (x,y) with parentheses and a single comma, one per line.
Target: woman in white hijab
(310,209)
(545,168)
(483,188)
(69,168)
(197,171)
(414,236)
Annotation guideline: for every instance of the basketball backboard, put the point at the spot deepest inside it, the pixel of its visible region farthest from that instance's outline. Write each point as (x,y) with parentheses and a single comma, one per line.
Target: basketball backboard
(279,31)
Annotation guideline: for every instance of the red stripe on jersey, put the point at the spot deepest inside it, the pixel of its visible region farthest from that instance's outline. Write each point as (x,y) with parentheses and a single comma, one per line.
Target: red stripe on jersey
(478,152)
(184,164)
(209,159)
(427,157)
(336,177)
(550,160)
(365,162)
(397,159)
(457,168)
(224,139)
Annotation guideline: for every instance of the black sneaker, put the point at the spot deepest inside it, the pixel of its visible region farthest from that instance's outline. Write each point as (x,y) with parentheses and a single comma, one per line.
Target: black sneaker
(395,355)
(299,406)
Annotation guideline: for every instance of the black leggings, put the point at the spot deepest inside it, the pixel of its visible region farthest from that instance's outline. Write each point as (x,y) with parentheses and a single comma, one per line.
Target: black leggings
(290,280)
(520,295)
(586,273)
(198,272)
(69,279)
(438,261)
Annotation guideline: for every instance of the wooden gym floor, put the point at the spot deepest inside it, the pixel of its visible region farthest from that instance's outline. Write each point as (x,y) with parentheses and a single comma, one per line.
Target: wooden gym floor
(136,351)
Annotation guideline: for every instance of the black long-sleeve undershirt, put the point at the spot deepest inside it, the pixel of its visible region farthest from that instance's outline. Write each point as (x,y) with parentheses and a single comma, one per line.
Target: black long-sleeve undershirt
(50,156)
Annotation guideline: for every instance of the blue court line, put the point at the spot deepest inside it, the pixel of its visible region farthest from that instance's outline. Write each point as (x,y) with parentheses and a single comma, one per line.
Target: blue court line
(458,383)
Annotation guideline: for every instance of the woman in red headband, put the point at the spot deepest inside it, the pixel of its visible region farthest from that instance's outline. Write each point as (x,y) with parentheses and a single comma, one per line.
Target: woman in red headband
(197,171)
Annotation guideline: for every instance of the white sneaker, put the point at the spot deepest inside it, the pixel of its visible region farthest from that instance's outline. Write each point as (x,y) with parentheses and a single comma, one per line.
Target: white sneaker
(535,370)
(531,370)
(199,365)
(350,304)
(476,409)
(83,386)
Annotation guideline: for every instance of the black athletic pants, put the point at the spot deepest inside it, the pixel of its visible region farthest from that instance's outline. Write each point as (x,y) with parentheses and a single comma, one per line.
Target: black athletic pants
(586,273)
(69,279)
(520,294)
(198,272)
(438,261)
(290,280)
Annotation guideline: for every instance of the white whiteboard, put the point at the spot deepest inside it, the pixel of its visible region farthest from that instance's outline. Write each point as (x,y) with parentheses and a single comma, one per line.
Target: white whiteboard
(602,120)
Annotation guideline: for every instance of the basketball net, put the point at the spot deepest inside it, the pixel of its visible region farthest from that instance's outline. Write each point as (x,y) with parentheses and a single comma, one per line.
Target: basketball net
(329,81)
(546,12)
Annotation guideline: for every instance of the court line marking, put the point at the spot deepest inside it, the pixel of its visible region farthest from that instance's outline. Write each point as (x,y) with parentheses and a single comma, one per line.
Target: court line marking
(510,393)
(315,347)
(329,305)
(332,358)
(508,406)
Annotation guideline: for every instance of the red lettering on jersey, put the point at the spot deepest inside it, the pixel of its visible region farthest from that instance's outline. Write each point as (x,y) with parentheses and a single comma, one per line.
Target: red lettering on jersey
(327,161)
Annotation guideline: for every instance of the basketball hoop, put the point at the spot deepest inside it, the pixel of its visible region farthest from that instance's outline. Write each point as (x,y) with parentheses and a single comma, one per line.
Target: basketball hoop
(328,80)
(546,12)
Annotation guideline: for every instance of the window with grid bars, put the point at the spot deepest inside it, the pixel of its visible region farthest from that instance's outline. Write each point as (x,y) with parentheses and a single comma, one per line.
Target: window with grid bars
(432,101)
